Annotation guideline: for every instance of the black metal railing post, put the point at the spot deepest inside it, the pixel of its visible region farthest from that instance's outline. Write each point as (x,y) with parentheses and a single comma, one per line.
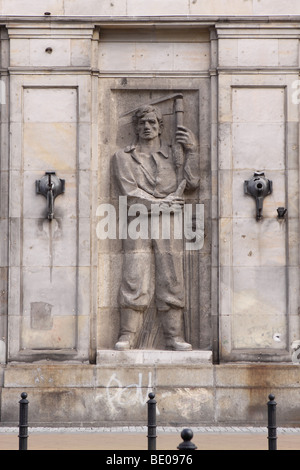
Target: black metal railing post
(272,430)
(23,422)
(151,422)
(187,444)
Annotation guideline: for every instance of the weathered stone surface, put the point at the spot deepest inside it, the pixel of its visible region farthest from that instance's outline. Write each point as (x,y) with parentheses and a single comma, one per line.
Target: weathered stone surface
(65,86)
(70,394)
(145,357)
(157,8)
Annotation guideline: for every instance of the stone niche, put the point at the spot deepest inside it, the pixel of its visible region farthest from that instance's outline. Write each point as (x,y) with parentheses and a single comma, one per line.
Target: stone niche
(127,59)
(118,97)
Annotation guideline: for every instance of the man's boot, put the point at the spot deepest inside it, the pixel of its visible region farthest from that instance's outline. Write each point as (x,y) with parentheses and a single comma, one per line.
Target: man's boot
(130,325)
(172,322)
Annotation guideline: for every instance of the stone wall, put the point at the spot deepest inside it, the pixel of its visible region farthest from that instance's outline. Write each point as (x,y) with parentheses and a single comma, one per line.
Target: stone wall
(187,395)
(68,81)
(140,8)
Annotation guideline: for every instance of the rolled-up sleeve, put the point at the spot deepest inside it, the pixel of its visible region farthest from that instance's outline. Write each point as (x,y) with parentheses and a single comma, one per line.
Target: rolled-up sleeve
(191,171)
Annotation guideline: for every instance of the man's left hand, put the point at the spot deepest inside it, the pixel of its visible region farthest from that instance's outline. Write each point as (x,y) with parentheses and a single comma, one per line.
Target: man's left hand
(186,138)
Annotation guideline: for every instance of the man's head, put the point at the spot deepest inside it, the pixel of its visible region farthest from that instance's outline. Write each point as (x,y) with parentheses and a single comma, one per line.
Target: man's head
(148,122)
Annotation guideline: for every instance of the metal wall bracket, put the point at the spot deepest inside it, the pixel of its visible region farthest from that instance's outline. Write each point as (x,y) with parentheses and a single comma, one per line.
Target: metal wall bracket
(50,186)
(258,187)
(281,211)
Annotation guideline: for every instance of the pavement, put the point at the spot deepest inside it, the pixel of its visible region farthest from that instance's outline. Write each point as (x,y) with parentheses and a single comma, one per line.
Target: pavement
(135,438)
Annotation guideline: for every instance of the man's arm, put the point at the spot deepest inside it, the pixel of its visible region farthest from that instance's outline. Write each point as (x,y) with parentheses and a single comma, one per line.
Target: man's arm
(191,169)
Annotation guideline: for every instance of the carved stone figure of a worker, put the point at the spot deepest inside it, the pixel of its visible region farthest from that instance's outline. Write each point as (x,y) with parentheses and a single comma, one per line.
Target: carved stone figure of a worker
(146,173)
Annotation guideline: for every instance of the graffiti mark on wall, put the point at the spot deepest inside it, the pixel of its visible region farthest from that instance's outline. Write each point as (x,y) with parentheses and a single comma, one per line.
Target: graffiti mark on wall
(120,395)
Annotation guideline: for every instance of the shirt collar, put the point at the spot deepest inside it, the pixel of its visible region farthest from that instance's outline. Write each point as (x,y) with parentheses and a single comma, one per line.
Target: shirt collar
(164,151)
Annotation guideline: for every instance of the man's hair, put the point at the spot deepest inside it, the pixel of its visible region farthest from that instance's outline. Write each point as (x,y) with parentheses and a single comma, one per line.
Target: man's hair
(143,110)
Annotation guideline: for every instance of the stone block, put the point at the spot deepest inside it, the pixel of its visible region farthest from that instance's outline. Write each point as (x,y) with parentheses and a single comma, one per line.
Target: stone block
(148,56)
(56,151)
(49,375)
(232,405)
(29,8)
(254,289)
(153,56)
(253,141)
(225,99)
(184,376)
(191,57)
(287,52)
(95,8)
(270,7)
(293,234)
(228,52)
(292,145)
(256,375)
(117,56)
(247,104)
(48,242)
(226,291)
(256,331)
(15,145)
(59,105)
(225,145)
(57,333)
(50,52)
(257,52)
(15,203)
(19,52)
(185,406)
(154,358)
(218,7)
(168,7)
(257,245)
(51,405)
(226,189)
(4,224)
(225,242)
(80,53)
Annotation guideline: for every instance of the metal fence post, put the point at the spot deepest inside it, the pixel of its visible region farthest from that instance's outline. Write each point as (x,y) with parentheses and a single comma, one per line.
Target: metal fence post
(151,422)
(187,436)
(272,430)
(23,422)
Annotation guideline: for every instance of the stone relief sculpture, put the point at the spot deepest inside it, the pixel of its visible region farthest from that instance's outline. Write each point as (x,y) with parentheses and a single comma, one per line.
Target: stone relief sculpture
(150,174)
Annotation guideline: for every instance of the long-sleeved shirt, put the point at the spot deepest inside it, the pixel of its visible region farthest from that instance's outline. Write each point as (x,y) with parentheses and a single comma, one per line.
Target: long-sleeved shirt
(148,179)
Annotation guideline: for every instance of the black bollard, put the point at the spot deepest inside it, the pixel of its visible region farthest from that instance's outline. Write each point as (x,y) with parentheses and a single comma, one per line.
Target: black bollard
(151,422)
(272,430)
(23,422)
(187,436)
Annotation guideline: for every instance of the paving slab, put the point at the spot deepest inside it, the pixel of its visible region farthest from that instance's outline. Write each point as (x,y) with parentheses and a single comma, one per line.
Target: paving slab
(122,439)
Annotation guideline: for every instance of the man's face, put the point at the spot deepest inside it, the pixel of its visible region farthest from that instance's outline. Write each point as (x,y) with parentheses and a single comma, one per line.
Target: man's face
(148,127)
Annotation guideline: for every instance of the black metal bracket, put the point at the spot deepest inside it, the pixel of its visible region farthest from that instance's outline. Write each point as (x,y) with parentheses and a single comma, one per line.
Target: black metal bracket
(281,211)
(258,187)
(50,186)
